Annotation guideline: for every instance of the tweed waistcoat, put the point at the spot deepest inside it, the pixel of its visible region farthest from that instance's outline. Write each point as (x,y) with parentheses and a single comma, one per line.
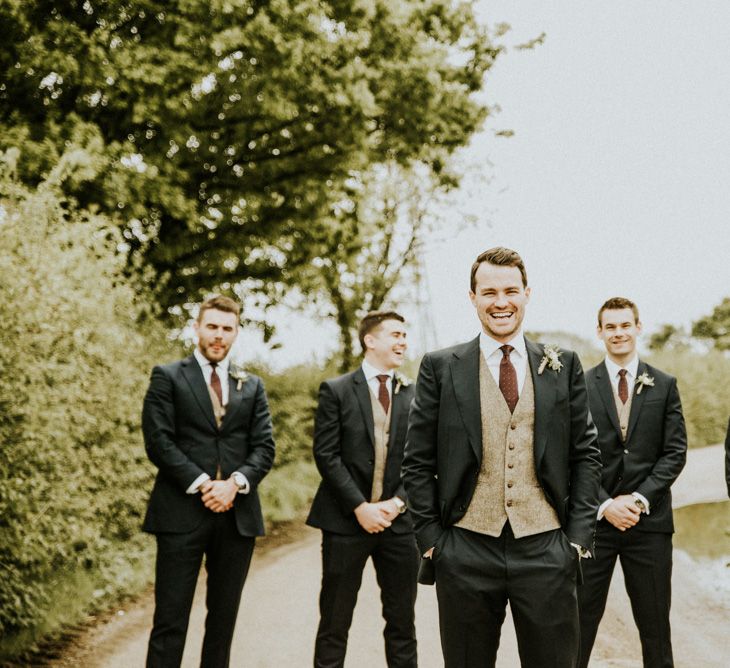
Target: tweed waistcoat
(381,424)
(507,487)
(623,410)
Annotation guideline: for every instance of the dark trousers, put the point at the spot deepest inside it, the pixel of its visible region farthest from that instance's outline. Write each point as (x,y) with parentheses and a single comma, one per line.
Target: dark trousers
(646,560)
(179,556)
(396,559)
(475,577)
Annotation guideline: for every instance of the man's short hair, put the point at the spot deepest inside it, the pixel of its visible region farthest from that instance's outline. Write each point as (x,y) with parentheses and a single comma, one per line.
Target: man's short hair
(219,303)
(501,257)
(373,320)
(616,304)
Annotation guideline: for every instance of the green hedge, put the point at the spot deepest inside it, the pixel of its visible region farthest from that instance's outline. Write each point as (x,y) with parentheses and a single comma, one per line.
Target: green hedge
(74,478)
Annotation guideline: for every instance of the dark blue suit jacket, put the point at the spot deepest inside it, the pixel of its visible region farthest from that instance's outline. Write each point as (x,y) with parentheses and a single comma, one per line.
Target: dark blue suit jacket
(183,441)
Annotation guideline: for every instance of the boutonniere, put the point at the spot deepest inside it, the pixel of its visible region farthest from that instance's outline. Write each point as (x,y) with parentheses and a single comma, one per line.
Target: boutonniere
(400,381)
(642,380)
(551,359)
(237,372)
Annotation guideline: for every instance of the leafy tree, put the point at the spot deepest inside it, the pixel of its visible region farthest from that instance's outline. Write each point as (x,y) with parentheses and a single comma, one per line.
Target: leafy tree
(716,326)
(226,129)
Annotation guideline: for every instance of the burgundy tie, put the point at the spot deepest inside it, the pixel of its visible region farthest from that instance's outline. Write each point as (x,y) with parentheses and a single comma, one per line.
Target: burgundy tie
(623,386)
(508,378)
(215,382)
(383,396)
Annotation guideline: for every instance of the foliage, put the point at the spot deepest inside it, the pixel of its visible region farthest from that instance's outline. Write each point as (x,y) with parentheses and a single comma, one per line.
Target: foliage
(75,360)
(703,380)
(226,129)
(74,478)
(716,326)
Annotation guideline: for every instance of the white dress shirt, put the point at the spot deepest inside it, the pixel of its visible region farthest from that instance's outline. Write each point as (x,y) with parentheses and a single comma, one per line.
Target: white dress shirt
(493,356)
(222,370)
(632,370)
(371,374)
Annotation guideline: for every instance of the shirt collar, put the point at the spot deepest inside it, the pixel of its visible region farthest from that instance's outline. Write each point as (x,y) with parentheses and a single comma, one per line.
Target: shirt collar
(204,361)
(370,371)
(489,346)
(632,367)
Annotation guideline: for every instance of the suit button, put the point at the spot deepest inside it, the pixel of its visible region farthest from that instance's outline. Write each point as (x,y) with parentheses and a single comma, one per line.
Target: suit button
(510,465)
(509,503)
(620,478)
(509,484)
(370,461)
(511,446)
(462,507)
(513,426)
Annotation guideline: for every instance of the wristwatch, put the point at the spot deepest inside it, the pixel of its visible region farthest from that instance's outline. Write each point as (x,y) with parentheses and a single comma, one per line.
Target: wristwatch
(240,481)
(400,504)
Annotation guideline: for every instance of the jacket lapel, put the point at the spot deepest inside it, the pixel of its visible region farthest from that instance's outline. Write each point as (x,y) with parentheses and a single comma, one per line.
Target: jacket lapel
(194,376)
(234,400)
(605,390)
(465,379)
(396,408)
(362,392)
(544,385)
(637,401)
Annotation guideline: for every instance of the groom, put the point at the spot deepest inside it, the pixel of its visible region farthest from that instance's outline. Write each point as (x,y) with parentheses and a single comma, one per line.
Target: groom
(209,435)
(502,471)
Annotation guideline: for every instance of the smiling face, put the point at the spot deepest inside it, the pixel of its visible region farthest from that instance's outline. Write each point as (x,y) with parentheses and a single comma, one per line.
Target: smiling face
(216,330)
(619,330)
(385,345)
(499,298)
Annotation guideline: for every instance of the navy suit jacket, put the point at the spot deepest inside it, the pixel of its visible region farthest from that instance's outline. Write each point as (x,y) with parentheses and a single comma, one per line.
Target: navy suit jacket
(444,445)
(343,450)
(183,441)
(655,450)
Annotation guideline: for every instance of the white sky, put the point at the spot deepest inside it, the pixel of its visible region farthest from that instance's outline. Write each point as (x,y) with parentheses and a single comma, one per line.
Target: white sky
(616,182)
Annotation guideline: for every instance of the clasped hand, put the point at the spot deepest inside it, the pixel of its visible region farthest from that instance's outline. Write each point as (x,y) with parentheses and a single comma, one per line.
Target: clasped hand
(623,512)
(376,517)
(218,495)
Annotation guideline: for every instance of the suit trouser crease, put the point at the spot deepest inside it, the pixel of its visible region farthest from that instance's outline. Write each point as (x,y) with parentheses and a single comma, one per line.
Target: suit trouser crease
(476,575)
(179,557)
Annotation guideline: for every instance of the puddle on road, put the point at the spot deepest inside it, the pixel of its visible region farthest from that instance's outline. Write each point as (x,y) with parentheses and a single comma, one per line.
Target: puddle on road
(703,530)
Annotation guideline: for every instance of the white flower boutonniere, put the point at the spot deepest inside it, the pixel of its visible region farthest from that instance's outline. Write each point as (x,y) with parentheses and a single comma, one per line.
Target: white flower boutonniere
(551,359)
(238,373)
(642,380)
(400,381)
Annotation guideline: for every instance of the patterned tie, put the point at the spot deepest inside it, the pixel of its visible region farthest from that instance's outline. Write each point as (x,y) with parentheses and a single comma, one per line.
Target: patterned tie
(215,382)
(508,379)
(383,396)
(623,386)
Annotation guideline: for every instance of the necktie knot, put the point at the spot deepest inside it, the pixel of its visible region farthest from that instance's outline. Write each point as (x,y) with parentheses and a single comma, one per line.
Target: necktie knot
(506,350)
(383,395)
(622,372)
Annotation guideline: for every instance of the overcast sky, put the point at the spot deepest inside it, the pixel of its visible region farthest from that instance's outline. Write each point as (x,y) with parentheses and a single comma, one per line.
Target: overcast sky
(616,181)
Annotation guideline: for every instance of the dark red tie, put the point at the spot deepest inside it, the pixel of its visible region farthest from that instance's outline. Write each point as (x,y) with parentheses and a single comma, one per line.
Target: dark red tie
(508,379)
(383,396)
(623,386)
(215,382)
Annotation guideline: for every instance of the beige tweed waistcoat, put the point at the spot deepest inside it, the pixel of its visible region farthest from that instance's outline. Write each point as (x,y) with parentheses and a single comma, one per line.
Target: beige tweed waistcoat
(507,487)
(381,424)
(624,411)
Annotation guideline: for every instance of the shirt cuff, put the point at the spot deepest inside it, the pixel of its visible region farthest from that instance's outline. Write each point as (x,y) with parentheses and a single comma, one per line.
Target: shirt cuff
(583,553)
(242,482)
(195,487)
(602,508)
(643,499)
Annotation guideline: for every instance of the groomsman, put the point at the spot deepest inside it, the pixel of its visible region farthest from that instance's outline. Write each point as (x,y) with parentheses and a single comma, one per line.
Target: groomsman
(502,472)
(643,444)
(359,434)
(207,429)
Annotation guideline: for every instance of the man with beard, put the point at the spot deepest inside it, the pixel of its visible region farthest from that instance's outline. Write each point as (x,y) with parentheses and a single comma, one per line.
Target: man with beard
(207,429)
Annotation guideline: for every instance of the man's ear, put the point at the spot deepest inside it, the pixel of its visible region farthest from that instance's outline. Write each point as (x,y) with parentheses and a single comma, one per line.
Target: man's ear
(368,341)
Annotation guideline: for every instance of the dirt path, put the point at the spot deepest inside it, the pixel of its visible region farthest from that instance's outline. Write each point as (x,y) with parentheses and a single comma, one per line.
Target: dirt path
(278,616)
